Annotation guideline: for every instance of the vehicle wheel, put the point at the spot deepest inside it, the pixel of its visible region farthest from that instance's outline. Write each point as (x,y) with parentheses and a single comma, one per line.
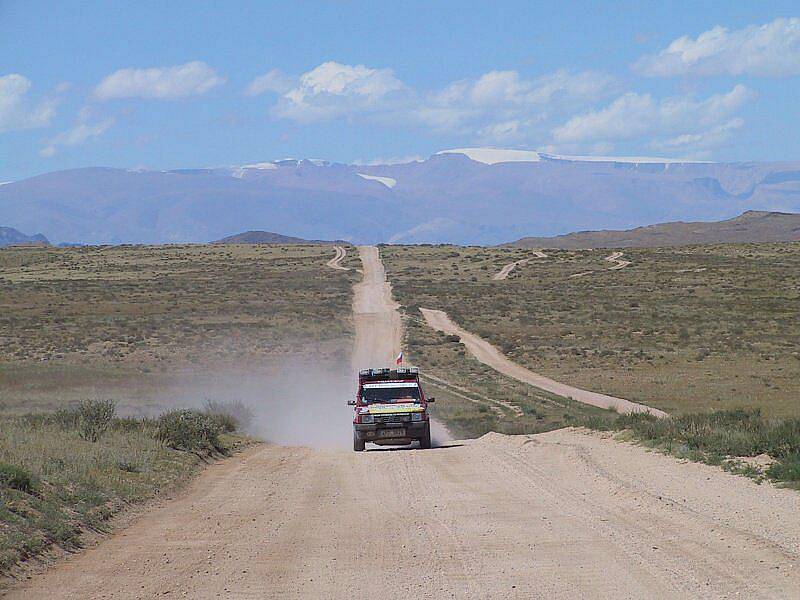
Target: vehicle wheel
(425,440)
(358,445)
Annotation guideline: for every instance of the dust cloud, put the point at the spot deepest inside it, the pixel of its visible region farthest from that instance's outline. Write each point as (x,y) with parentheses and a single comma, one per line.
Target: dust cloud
(294,404)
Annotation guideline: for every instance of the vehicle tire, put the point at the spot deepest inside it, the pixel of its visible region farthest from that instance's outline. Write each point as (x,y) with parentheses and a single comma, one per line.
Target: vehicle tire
(425,440)
(358,445)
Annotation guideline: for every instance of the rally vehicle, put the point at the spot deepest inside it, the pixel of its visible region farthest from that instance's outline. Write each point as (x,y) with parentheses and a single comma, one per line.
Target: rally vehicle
(390,409)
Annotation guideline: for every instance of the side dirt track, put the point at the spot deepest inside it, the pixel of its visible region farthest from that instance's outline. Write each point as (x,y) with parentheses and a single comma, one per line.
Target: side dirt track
(491,356)
(336,261)
(565,514)
(506,270)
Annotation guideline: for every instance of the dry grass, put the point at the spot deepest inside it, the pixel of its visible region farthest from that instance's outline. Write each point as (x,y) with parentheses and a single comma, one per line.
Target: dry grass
(55,484)
(683,329)
(76,322)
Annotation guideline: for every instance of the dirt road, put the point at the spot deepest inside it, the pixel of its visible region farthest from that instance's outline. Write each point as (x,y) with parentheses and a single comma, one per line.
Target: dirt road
(560,515)
(619,262)
(491,356)
(336,261)
(379,330)
(506,270)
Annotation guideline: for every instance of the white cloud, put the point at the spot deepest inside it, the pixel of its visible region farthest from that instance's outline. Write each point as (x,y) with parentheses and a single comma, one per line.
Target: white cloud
(80,133)
(699,143)
(275,81)
(770,50)
(332,90)
(507,131)
(502,106)
(498,106)
(168,83)
(16,111)
(640,116)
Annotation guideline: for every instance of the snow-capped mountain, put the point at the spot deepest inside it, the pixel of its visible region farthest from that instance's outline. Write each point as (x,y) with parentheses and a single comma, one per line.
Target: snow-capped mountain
(466,195)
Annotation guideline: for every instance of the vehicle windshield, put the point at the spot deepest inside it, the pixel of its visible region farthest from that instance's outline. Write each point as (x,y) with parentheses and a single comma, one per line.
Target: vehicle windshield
(384,395)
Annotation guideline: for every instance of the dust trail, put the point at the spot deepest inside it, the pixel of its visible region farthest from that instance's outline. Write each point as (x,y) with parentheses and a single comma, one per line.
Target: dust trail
(296,402)
(305,405)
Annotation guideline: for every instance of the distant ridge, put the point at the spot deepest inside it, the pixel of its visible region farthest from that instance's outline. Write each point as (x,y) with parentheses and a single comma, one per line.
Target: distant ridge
(268,237)
(752,226)
(11,237)
(471,196)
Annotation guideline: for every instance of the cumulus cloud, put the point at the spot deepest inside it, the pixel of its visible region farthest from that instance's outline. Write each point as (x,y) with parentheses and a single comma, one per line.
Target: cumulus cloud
(640,116)
(16,109)
(166,83)
(82,131)
(699,143)
(506,108)
(503,106)
(498,106)
(770,50)
(275,81)
(333,90)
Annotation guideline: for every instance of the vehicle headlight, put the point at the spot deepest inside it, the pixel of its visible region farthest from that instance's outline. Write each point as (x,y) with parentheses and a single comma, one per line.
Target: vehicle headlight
(417,416)
(366,419)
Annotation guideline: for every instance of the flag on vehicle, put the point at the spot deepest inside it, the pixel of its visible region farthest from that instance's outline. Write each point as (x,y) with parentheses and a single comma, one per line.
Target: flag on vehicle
(399,359)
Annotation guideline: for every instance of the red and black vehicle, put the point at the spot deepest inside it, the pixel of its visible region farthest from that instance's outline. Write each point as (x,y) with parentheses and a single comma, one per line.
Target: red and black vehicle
(390,409)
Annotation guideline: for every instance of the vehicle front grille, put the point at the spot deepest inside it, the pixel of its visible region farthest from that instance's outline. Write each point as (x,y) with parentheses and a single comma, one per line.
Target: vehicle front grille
(399,418)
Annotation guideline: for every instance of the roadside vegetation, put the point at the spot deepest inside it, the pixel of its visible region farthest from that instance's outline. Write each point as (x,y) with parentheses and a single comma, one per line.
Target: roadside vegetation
(67,472)
(131,321)
(728,438)
(476,399)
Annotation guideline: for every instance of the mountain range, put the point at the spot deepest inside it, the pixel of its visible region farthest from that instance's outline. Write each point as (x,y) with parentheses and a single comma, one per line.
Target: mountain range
(11,237)
(751,227)
(464,196)
(267,237)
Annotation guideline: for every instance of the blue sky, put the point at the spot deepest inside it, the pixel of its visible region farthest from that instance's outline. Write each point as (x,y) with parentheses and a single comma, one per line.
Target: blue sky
(188,84)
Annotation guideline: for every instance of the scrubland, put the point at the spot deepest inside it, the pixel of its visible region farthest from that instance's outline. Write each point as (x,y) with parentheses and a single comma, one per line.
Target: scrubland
(133,321)
(681,329)
(707,333)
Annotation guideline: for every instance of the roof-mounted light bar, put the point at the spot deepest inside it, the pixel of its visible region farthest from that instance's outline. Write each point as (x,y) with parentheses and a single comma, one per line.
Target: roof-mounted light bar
(388,371)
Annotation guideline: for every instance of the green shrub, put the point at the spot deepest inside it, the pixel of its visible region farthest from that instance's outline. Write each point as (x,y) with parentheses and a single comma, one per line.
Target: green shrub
(189,430)
(95,417)
(787,469)
(17,478)
(66,418)
(712,436)
(231,416)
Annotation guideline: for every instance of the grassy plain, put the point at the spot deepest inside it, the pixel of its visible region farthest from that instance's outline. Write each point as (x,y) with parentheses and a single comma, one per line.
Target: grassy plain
(682,329)
(128,321)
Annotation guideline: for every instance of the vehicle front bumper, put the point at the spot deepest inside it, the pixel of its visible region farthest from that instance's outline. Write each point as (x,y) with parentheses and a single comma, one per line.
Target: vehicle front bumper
(369,431)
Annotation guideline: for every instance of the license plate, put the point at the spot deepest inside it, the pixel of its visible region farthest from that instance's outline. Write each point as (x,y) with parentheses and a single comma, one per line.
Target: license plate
(395,432)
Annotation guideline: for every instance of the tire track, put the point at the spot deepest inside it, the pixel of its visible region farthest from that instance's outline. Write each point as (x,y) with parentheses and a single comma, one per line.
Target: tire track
(335,262)
(506,270)
(617,260)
